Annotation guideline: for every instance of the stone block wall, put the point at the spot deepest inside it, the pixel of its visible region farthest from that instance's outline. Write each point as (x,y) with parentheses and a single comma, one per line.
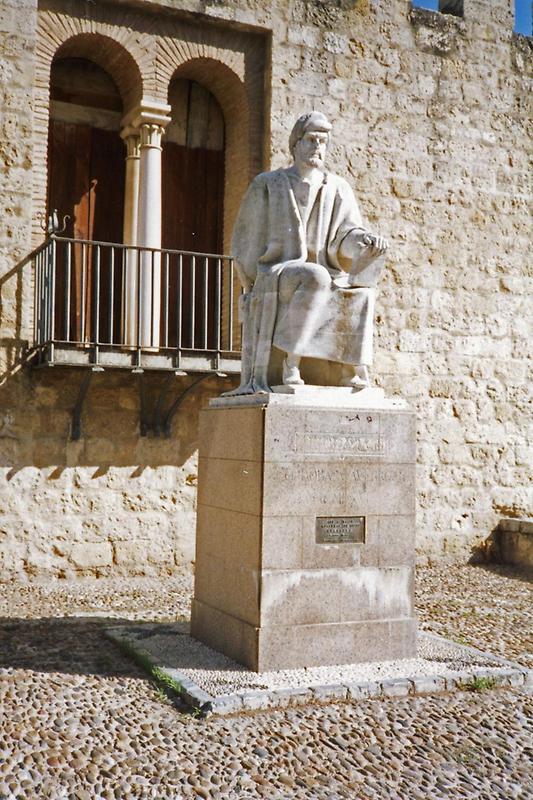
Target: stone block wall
(17,44)
(429,116)
(430,128)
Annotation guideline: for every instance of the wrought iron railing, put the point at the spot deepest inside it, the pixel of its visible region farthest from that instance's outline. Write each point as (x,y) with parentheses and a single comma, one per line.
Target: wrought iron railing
(98,298)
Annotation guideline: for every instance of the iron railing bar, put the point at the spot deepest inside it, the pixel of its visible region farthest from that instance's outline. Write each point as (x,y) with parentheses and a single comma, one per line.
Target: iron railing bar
(44,292)
(96,322)
(123,331)
(48,292)
(44,296)
(83,291)
(165,299)
(139,336)
(218,296)
(52,290)
(230,306)
(206,301)
(129,276)
(152,303)
(179,313)
(111,292)
(68,290)
(35,285)
(37,307)
(193,300)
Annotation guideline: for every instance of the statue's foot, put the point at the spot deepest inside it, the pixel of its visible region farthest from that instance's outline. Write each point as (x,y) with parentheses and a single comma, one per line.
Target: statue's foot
(355,383)
(261,388)
(291,375)
(355,377)
(242,389)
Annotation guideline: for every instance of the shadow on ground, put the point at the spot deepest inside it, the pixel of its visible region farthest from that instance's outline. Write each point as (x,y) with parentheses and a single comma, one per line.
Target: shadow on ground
(510,571)
(66,645)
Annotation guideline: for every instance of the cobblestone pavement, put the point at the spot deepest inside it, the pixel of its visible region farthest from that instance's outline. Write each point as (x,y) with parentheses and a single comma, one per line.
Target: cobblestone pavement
(489,607)
(79,721)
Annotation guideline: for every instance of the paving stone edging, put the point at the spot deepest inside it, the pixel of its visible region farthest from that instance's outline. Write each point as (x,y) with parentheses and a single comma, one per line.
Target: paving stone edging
(507,675)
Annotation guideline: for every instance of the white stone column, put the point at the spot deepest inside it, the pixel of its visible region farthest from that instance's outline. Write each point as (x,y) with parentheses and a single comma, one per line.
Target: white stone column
(150,119)
(131,212)
(149,233)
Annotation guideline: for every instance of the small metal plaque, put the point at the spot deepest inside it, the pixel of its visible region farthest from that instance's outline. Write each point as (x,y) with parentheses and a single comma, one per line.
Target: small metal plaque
(340,530)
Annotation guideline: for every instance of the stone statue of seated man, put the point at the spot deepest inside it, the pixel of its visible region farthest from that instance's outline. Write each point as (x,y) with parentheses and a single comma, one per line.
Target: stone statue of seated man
(308,268)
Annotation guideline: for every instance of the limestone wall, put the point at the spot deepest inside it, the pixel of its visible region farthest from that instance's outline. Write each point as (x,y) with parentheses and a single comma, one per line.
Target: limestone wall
(429,117)
(431,127)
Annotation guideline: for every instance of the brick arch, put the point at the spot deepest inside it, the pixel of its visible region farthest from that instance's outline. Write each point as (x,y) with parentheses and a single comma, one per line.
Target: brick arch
(115,50)
(230,92)
(115,46)
(112,57)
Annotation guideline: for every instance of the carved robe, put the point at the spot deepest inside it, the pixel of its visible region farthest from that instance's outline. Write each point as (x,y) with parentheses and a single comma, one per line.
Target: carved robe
(273,232)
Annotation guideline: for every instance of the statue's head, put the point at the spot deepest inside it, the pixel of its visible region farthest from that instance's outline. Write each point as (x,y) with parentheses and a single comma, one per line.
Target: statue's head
(309,138)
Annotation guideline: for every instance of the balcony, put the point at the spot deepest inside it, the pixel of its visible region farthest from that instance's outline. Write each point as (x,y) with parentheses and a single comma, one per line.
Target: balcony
(104,305)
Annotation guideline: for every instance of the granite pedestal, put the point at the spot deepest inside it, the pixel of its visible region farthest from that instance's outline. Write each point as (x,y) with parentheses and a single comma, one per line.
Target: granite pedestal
(305,533)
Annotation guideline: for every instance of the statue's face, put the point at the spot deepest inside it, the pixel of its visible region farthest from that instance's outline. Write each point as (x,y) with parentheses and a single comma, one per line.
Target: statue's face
(310,150)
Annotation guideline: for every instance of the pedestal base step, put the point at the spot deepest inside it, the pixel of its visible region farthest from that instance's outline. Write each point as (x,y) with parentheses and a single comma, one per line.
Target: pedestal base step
(293,646)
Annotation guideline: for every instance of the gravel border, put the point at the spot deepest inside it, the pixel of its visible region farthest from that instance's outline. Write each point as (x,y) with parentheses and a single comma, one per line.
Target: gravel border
(135,641)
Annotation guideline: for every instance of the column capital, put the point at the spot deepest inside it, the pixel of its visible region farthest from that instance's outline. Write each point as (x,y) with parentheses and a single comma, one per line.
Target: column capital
(148,112)
(132,139)
(151,134)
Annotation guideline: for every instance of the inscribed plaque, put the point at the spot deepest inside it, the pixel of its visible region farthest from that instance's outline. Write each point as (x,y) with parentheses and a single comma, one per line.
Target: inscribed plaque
(340,530)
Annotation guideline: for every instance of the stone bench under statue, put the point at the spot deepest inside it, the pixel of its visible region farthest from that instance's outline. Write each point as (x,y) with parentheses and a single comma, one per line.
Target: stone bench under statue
(306,490)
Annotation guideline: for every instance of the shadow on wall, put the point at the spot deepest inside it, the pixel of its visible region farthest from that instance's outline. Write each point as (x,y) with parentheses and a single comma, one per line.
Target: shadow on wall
(487,550)
(36,408)
(112,502)
(15,287)
(509,545)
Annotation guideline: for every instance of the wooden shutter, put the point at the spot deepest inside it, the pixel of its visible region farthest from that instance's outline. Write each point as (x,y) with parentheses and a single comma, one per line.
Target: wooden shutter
(86,182)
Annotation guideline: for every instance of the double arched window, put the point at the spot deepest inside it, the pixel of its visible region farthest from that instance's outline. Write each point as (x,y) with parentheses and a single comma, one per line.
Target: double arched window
(153,127)
(89,188)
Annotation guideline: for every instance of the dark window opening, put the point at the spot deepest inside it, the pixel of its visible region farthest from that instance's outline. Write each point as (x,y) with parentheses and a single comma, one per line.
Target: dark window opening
(193,202)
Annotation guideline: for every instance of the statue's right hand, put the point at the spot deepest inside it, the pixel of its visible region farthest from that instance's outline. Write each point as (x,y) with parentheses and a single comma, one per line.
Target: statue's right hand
(378,244)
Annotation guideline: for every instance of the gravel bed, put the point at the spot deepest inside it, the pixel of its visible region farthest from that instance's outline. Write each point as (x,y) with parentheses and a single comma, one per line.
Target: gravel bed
(80,721)
(170,647)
